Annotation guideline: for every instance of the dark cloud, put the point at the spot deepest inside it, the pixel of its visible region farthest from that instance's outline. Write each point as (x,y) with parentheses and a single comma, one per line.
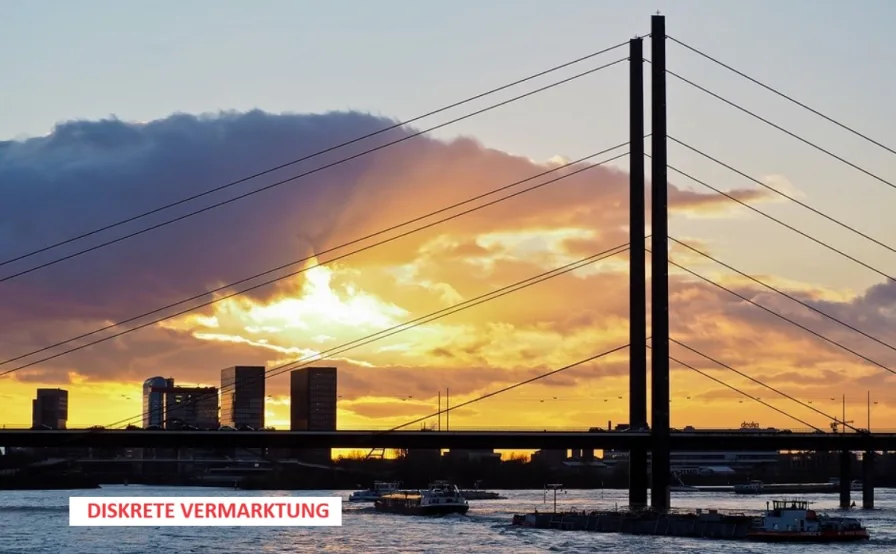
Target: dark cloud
(85,175)
(88,174)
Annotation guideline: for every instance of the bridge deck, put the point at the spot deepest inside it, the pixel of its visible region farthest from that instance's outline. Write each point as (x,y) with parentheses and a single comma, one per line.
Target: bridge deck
(684,441)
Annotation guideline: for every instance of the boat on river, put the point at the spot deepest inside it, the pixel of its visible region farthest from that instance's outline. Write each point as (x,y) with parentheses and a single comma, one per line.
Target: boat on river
(439,499)
(783,521)
(375,492)
(758,487)
(478,493)
(794,521)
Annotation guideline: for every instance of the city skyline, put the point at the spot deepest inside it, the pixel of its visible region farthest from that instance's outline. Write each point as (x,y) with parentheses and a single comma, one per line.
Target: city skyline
(482,349)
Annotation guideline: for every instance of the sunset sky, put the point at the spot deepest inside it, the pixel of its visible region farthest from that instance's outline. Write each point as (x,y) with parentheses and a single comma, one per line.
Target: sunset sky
(113,110)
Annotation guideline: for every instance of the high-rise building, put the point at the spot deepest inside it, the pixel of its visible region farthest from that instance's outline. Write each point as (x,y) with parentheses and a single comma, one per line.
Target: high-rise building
(165,404)
(312,405)
(50,408)
(194,406)
(242,396)
(154,390)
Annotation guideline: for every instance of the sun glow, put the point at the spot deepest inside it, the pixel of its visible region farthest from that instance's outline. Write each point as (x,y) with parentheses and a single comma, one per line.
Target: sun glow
(314,309)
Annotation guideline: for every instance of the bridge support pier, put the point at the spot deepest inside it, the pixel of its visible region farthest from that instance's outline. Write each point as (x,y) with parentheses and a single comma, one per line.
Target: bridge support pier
(637,376)
(659,284)
(845,478)
(868,480)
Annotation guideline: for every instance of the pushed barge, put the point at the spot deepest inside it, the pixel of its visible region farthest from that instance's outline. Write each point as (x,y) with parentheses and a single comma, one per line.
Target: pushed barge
(793,521)
(440,499)
(785,521)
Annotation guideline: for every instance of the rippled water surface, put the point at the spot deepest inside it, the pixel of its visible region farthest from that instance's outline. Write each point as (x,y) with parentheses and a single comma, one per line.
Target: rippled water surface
(37,522)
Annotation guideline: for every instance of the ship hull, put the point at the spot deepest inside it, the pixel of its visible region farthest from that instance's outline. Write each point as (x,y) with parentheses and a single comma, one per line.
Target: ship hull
(415,510)
(709,526)
(808,537)
(734,528)
(772,490)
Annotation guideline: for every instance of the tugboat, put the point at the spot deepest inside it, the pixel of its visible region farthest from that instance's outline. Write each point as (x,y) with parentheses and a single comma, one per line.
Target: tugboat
(372,494)
(439,499)
(793,521)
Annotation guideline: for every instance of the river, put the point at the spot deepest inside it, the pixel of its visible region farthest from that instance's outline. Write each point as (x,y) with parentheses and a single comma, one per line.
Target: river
(37,522)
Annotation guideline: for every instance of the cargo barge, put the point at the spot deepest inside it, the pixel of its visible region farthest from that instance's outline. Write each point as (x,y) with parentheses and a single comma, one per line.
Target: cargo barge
(784,521)
(758,487)
(440,499)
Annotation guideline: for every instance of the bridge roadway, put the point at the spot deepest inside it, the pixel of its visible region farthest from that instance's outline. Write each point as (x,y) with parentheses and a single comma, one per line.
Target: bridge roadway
(680,441)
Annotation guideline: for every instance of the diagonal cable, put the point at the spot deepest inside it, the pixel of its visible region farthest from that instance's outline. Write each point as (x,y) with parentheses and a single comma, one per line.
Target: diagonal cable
(270,281)
(306,173)
(503,291)
(784,294)
(760,383)
(787,196)
(783,224)
(321,152)
(784,96)
(507,388)
(783,130)
(737,390)
(783,317)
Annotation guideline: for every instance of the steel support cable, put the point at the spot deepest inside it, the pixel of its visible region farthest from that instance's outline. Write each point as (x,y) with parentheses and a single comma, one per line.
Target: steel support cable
(321,152)
(784,294)
(306,173)
(737,390)
(302,270)
(784,195)
(783,130)
(783,317)
(784,96)
(779,222)
(416,322)
(760,383)
(507,388)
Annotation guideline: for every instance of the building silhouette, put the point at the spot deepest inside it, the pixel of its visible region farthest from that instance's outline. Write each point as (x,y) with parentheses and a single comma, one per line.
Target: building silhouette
(242,396)
(169,406)
(191,406)
(312,406)
(154,390)
(473,454)
(49,409)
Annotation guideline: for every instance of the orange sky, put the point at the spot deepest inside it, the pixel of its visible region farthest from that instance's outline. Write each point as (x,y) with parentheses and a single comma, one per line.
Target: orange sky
(546,326)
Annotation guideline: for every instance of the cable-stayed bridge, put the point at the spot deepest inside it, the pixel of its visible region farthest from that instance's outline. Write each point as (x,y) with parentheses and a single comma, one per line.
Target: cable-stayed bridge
(659,440)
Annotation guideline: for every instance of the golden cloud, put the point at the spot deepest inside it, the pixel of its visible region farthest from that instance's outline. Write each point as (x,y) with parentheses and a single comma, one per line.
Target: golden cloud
(495,344)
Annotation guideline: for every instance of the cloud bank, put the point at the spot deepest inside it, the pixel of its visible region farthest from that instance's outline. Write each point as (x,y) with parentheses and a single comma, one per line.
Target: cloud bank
(87,174)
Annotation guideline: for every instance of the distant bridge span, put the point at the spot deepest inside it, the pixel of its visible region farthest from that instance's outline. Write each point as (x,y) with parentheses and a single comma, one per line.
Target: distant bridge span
(683,441)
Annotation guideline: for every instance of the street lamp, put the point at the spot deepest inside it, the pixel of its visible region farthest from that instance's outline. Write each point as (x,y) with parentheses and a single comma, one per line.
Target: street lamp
(869,410)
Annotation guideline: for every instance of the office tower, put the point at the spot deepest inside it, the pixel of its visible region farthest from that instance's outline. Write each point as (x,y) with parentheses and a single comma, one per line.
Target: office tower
(192,406)
(312,392)
(154,390)
(50,408)
(242,396)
